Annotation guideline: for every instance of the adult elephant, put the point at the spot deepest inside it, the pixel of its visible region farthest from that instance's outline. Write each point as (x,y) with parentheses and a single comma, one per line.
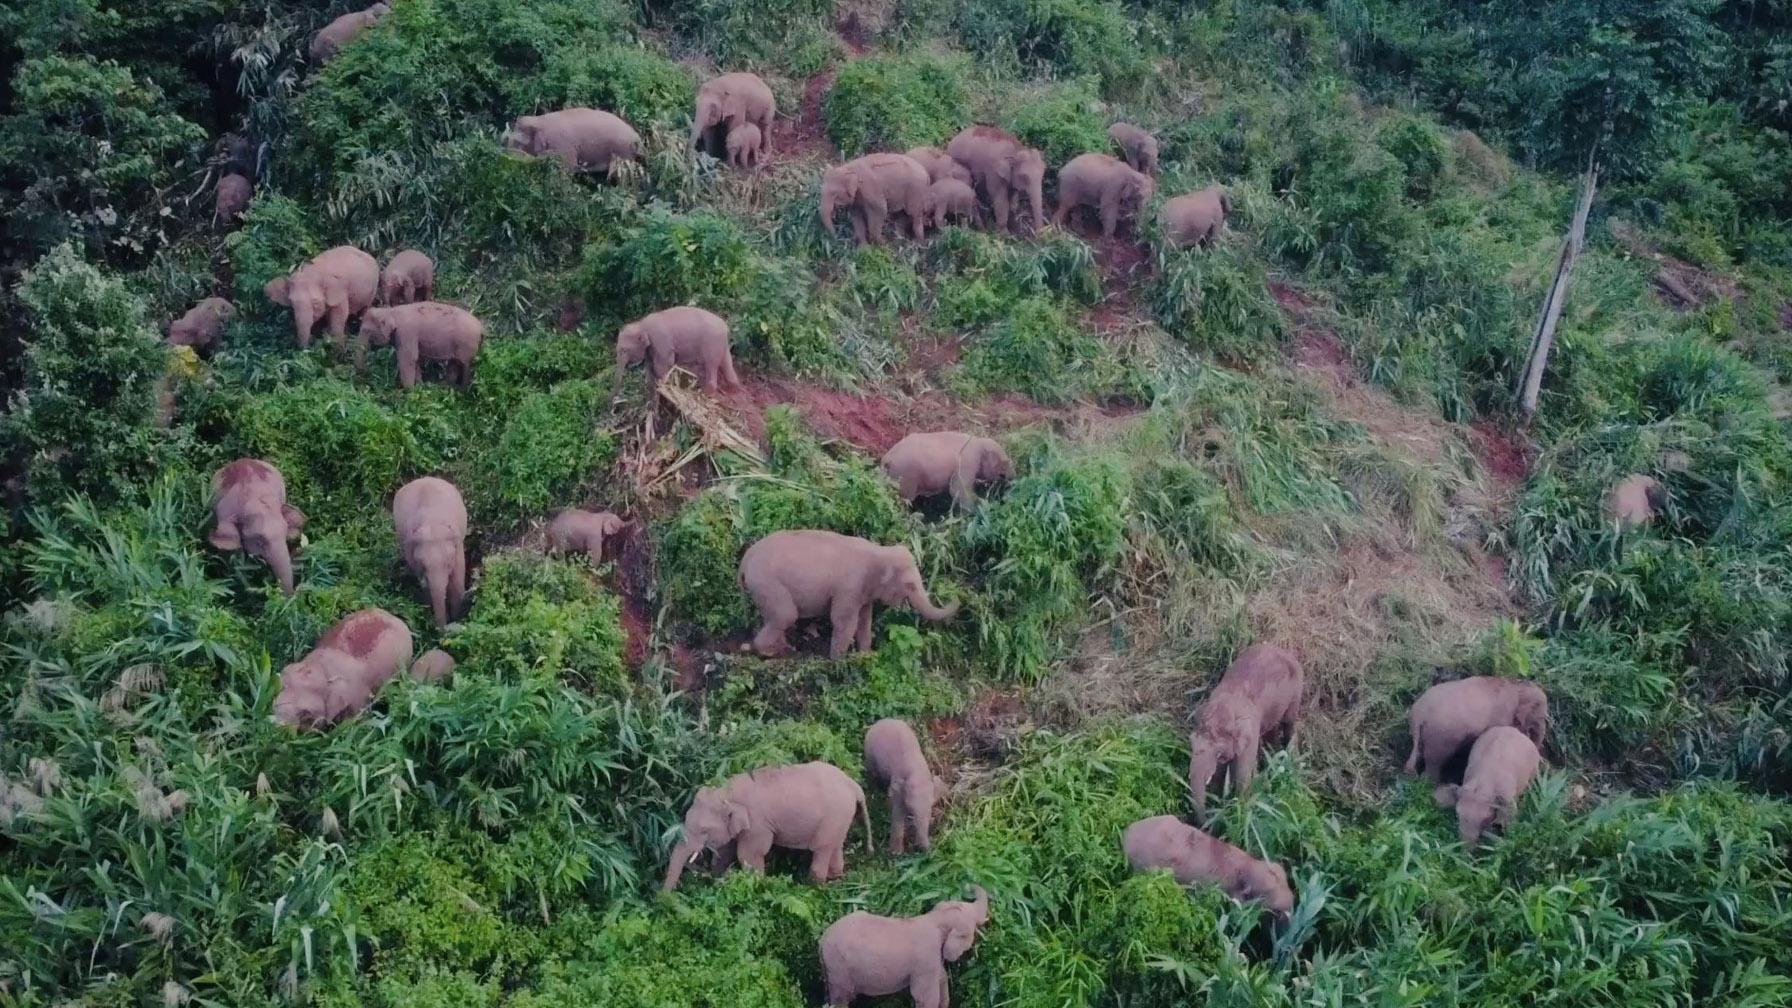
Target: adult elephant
(582,138)
(1195,218)
(337,285)
(1104,183)
(249,503)
(1001,166)
(872,186)
(727,101)
(809,807)
(431,521)
(809,572)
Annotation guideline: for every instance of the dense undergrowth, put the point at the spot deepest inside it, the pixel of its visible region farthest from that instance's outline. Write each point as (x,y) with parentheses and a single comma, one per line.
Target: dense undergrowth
(1268,439)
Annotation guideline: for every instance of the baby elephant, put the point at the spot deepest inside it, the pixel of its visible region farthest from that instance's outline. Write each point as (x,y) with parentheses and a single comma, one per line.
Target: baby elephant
(1260,693)
(803,573)
(249,500)
(340,676)
(345,29)
(950,197)
(808,806)
(1449,717)
(1193,856)
(433,665)
(683,337)
(425,330)
(230,197)
(865,954)
(945,462)
(1195,218)
(578,531)
(431,521)
(1635,500)
(1136,145)
(202,327)
(744,145)
(893,759)
(1502,764)
(408,278)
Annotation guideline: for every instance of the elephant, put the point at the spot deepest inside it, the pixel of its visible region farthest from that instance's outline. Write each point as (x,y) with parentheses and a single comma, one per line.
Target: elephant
(433,665)
(727,101)
(940,165)
(1501,765)
(251,514)
(872,186)
(945,462)
(1193,856)
(1136,145)
(409,277)
(1449,716)
(1105,183)
(893,760)
(345,29)
(1260,693)
(431,521)
(949,197)
(582,138)
(578,531)
(230,197)
(337,285)
(1634,501)
(1195,218)
(1003,168)
(870,955)
(237,155)
(744,144)
(683,337)
(202,327)
(426,330)
(798,573)
(340,676)
(808,806)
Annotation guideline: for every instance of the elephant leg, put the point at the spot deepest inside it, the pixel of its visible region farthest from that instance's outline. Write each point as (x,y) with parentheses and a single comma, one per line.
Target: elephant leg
(874,223)
(821,863)
(858,225)
(779,613)
(927,991)
(840,993)
(1291,726)
(457,583)
(1243,769)
(410,368)
(864,628)
(1110,215)
(998,200)
(753,846)
(338,315)
(845,619)
(898,821)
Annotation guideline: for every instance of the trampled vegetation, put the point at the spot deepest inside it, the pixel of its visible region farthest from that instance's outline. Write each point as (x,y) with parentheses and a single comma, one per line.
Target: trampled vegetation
(1304,434)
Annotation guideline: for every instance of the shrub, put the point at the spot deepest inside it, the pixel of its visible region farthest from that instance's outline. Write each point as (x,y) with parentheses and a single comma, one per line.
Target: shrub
(1422,151)
(895,103)
(542,619)
(640,86)
(699,555)
(790,35)
(548,448)
(1036,351)
(667,259)
(1218,300)
(276,237)
(1063,122)
(1064,38)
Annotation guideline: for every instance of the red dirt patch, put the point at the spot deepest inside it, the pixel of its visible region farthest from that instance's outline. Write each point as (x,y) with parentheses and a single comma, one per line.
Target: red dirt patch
(358,635)
(1321,350)
(1503,453)
(993,725)
(804,137)
(868,423)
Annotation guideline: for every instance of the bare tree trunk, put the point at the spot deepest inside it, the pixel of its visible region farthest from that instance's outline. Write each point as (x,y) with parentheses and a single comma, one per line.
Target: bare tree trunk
(1537,360)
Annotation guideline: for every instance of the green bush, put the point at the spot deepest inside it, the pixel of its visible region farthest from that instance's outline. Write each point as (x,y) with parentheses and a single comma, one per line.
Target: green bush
(548,448)
(699,555)
(1065,38)
(1421,150)
(1218,300)
(895,103)
(1063,122)
(276,238)
(667,259)
(1036,351)
(788,35)
(642,87)
(542,619)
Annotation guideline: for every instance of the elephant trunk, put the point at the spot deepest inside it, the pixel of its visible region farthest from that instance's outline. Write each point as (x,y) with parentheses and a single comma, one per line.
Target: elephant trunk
(981,902)
(438,593)
(302,321)
(829,199)
(1036,196)
(682,855)
(1201,766)
(923,605)
(279,558)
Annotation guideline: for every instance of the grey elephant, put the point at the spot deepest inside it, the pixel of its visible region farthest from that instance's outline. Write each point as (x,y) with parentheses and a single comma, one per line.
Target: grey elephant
(805,573)
(809,807)
(1448,717)
(251,514)
(1635,500)
(948,198)
(870,188)
(434,665)
(336,286)
(1138,146)
(431,521)
(345,29)
(1195,218)
(1501,766)
(727,101)
(945,462)
(684,337)
(426,330)
(1259,695)
(409,276)
(1003,168)
(585,139)
(202,327)
(576,531)
(745,141)
(864,954)
(940,165)
(230,197)
(1103,183)
(1193,856)
(894,761)
(341,675)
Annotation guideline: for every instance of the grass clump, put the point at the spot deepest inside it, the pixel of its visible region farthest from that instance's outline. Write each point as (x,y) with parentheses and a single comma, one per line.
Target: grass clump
(547,449)
(1036,351)
(1218,300)
(1061,123)
(895,103)
(542,619)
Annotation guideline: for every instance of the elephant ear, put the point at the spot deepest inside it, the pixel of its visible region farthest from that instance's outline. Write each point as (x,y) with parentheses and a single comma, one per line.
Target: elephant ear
(738,820)
(955,941)
(335,294)
(993,463)
(279,291)
(611,524)
(295,520)
(1225,203)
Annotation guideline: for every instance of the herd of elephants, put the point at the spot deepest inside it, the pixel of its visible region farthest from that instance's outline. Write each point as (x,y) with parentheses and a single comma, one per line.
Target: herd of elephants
(1498,724)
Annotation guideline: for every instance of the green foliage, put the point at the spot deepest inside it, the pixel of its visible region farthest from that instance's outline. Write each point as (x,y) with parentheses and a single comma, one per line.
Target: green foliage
(542,619)
(789,35)
(1061,123)
(276,237)
(1068,38)
(548,447)
(667,259)
(1218,300)
(642,87)
(698,556)
(1036,351)
(895,103)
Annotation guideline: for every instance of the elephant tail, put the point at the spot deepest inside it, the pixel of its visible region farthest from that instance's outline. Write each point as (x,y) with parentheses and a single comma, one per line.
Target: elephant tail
(1412,760)
(864,816)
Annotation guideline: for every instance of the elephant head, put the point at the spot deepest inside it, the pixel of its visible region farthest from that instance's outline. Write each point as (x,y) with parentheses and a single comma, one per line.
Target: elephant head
(712,823)
(1531,714)
(309,299)
(1024,170)
(1227,729)
(901,583)
(377,326)
(437,558)
(1137,188)
(1266,883)
(524,135)
(266,534)
(631,349)
(711,111)
(839,185)
(1475,810)
(959,923)
(1225,203)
